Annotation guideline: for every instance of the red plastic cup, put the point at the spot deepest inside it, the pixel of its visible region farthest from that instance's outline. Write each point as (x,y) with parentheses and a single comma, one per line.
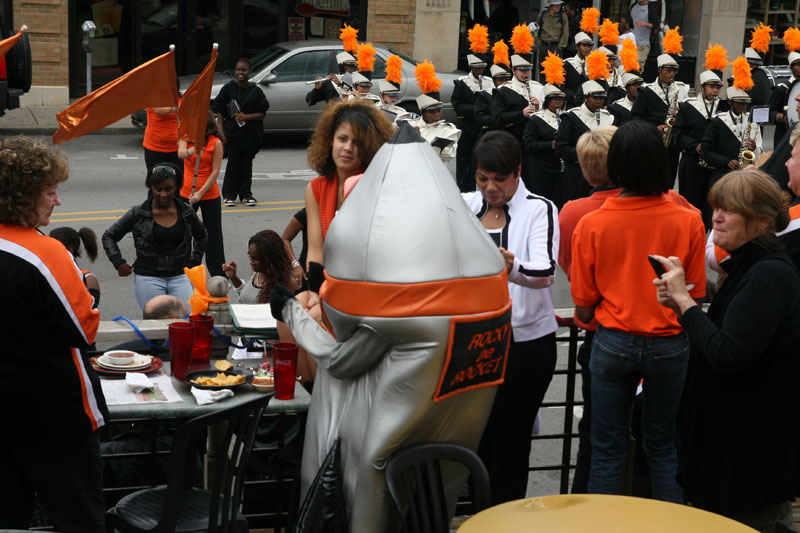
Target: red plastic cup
(284,363)
(181,339)
(201,351)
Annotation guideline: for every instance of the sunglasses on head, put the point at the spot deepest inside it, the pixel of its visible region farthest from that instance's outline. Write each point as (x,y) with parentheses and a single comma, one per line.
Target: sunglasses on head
(165,168)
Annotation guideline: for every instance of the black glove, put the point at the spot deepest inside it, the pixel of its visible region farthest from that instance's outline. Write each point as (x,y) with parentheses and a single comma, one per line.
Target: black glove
(277,299)
(315,275)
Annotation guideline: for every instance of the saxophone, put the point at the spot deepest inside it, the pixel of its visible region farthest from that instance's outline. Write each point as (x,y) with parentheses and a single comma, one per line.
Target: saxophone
(746,157)
(670,121)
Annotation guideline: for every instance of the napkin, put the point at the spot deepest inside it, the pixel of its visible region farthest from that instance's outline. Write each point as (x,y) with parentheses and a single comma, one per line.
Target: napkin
(137,381)
(204,396)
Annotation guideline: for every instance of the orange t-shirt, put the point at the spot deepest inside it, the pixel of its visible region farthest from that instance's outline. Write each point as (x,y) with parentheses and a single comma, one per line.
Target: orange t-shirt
(326,192)
(203,172)
(161,134)
(610,267)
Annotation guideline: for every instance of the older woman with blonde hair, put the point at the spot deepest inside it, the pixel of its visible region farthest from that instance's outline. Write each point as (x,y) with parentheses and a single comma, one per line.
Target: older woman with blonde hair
(344,142)
(52,446)
(737,437)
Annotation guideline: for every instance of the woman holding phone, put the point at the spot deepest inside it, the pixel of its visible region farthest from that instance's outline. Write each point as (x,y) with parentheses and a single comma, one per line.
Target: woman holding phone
(525,228)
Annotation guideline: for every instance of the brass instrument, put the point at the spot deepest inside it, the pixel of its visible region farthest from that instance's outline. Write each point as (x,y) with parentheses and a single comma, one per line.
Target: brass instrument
(746,157)
(670,120)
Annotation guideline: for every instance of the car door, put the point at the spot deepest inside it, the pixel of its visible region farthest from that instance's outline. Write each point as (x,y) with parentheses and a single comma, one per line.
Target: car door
(288,110)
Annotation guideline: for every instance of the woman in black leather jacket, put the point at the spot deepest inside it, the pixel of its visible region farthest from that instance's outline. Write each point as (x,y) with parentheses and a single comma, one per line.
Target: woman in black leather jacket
(167,235)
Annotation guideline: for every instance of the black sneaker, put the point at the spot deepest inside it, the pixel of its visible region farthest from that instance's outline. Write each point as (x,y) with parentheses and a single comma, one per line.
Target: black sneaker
(229,203)
(250,201)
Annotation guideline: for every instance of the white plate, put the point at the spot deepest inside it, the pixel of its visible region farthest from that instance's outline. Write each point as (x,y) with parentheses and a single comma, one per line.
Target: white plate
(139,361)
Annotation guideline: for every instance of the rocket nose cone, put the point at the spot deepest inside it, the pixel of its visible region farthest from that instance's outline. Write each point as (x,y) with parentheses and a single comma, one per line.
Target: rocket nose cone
(405,135)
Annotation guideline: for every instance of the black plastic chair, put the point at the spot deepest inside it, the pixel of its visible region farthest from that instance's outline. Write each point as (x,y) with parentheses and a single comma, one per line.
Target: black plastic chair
(178,506)
(414,477)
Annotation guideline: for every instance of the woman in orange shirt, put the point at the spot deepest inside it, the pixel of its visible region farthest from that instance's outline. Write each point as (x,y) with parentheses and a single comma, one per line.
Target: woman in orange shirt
(161,136)
(204,194)
(346,138)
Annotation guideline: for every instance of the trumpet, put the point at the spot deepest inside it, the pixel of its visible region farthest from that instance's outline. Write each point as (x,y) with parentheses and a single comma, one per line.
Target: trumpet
(670,121)
(746,157)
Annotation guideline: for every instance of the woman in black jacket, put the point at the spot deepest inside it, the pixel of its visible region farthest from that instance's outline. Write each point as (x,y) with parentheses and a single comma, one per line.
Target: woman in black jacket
(738,443)
(167,235)
(240,106)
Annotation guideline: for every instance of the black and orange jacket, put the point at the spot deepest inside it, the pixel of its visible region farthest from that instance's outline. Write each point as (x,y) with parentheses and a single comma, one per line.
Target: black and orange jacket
(46,320)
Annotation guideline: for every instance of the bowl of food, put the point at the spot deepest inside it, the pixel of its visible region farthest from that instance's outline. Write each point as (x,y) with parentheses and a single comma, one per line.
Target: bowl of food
(263,383)
(119,357)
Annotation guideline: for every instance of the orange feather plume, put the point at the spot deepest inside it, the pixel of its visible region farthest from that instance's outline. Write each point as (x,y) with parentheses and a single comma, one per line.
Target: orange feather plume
(762,35)
(553,69)
(609,32)
(426,77)
(672,41)
(349,37)
(791,37)
(521,39)
(366,57)
(478,39)
(742,78)
(590,20)
(716,57)
(629,56)
(394,69)
(500,50)
(597,65)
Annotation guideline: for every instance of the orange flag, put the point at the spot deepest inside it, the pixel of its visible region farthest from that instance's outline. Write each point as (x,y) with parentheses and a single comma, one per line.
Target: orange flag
(193,111)
(151,84)
(8,44)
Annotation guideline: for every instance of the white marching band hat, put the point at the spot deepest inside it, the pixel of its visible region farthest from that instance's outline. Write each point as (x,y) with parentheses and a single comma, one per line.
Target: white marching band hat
(344,58)
(666,60)
(360,79)
(517,61)
(630,77)
(425,102)
(737,95)
(583,37)
(499,72)
(752,56)
(592,88)
(475,61)
(551,91)
(709,76)
(387,87)
(794,57)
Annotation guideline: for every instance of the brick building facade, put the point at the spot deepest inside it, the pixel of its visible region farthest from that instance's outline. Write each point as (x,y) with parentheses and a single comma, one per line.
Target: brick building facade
(48,31)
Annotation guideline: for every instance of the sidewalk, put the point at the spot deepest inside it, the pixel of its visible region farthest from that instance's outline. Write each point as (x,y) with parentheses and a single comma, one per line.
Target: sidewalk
(41,120)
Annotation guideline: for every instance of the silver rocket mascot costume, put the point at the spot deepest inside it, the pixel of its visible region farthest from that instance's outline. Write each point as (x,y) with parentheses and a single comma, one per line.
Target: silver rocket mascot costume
(416,297)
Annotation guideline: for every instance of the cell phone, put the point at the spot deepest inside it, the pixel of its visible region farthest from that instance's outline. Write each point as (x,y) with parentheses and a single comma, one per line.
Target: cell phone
(657,266)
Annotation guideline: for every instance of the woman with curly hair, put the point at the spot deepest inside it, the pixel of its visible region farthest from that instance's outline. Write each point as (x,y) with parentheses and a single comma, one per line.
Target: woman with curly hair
(46,322)
(344,142)
(271,266)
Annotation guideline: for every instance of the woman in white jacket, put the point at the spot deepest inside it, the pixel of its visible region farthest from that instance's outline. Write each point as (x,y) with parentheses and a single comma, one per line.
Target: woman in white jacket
(525,228)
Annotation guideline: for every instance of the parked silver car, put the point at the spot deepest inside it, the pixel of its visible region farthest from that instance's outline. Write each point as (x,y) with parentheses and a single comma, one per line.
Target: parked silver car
(283,69)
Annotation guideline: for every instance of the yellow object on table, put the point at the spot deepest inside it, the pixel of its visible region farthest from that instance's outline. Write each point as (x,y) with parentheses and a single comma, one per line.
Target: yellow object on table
(598,512)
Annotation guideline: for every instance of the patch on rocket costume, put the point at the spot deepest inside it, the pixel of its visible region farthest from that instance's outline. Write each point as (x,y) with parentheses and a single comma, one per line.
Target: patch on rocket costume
(477,353)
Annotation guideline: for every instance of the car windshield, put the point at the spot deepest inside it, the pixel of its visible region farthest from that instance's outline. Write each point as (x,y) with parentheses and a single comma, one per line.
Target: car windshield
(263,58)
(405,57)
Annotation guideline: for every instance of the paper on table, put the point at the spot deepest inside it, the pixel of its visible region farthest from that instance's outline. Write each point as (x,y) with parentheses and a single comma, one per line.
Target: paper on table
(117,391)
(253,316)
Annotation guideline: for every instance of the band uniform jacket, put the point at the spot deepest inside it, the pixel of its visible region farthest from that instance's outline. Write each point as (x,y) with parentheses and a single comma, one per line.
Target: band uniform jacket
(653,100)
(509,101)
(482,110)
(328,92)
(778,103)
(693,118)
(463,100)
(574,123)
(440,129)
(540,132)
(621,110)
(575,69)
(723,139)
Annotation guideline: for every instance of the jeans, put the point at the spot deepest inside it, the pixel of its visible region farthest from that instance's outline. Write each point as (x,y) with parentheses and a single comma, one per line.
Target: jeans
(146,287)
(617,363)
(583,462)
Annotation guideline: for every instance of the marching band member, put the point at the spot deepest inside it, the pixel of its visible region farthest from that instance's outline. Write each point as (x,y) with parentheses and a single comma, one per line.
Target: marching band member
(390,93)
(616,89)
(621,108)
(730,135)
(516,99)
(362,87)
(441,135)
(694,116)
(484,99)
(544,166)
(760,92)
(779,99)
(574,123)
(333,87)
(575,66)
(463,100)
(656,100)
